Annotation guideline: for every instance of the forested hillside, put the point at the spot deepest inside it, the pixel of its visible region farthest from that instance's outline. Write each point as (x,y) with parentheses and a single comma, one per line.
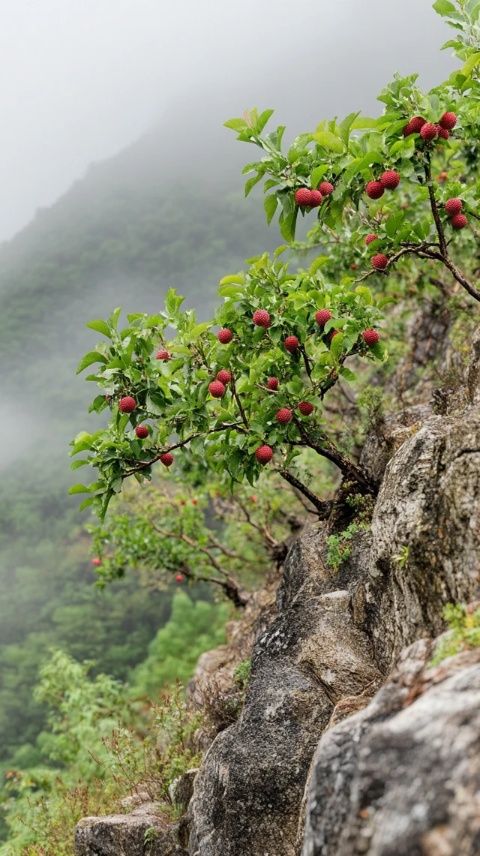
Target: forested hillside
(122,235)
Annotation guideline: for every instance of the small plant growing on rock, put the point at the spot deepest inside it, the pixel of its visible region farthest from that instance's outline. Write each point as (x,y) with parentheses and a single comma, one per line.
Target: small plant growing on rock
(463,631)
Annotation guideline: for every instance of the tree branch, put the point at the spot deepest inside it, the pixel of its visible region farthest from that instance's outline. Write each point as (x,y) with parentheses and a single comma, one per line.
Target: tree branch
(323,508)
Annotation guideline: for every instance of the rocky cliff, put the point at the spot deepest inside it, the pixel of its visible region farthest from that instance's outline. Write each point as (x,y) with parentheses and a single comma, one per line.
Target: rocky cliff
(330,755)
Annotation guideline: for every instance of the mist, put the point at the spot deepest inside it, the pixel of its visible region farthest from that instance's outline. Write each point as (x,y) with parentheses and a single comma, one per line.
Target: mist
(82,80)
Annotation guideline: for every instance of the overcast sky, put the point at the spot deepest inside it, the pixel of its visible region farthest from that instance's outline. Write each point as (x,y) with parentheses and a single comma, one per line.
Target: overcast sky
(80,79)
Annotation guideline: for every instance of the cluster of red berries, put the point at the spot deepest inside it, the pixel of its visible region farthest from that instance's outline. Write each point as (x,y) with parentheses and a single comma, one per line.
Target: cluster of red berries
(127,404)
(313,198)
(430,130)
(453,207)
(389,180)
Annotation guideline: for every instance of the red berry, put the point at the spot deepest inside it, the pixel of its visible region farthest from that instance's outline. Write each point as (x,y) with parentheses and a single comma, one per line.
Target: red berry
(428,131)
(442,133)
(306,408)
(166,459)
(448,121)
(179,578)
(370,337)
(224,376)
(326,188)
(141,431)
(284,416)
(261,318)
(374,189)
(390,179)
(459,221)
(322,316)
(264,454)
(224,335)
(370,238)
(414,125)
(163,355)
(332,334)
(96,561)
(216,389)
(316,198)
(127,404)
(380,261)
(272,383)
(291,344)
(303,196)
(453,206)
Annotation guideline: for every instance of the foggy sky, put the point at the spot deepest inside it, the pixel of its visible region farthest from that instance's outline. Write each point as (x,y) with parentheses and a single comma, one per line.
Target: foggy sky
(83,78)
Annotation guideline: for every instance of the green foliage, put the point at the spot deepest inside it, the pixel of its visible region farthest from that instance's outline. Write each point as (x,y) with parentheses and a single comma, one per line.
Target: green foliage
(339,546)
(193,627)
(463,633)
(242,673)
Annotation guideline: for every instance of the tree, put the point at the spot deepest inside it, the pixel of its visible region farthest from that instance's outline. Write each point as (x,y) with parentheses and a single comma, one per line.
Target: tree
(394,196)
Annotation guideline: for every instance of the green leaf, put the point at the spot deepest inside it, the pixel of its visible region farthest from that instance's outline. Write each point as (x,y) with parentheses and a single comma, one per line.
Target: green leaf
(317,174)
(346,126)
(236,124)
(393,223)
(233,277)
(89,359)
(262,120)
(270,205)
(78,488)
(470,64)
(329,141)
(100,326)
(444,7)
(230,290)
(250,184)
(287,224)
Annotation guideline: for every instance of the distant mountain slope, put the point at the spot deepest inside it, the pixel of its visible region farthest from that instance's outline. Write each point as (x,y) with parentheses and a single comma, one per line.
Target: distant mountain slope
(134,226)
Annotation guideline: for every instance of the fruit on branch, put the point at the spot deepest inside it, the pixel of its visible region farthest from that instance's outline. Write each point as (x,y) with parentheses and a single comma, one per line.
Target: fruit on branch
(459,221)
(322,316)
(442,133)
(142,431)
(127,404)
(163,355)
(284,416)
(292,344)
(370,337)
(217,389)
(443,177)
(414,125)
(326,188)
(224,376)
(448,121)
(96,561)
(374,189)
(332,334)
(264,454)
(272,384)
(390,179)
(306,408)
(166,459)
(261,318)
(453,206)
(316,198)
(303,197)
(428,131)
(224,336)
(179,578)
(370,238)
(379,261)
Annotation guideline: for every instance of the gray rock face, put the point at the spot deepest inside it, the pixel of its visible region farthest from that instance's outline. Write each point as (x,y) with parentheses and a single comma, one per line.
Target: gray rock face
(141,833)
(402,777)
(249,789)
(425,533)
